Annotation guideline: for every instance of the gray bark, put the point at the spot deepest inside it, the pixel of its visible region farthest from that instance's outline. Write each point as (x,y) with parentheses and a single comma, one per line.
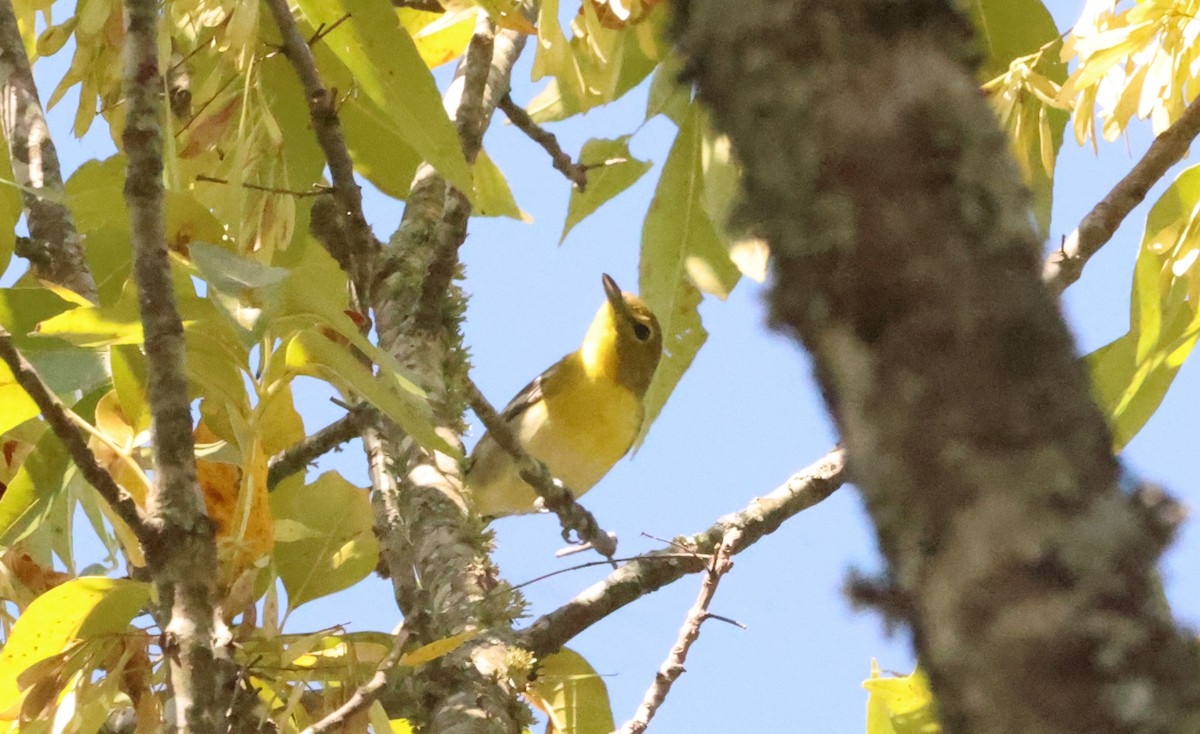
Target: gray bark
(905,261)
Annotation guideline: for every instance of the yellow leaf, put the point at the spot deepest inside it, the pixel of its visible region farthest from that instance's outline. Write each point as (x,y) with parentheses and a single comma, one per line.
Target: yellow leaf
(80,609)
(572,695)
(436,649)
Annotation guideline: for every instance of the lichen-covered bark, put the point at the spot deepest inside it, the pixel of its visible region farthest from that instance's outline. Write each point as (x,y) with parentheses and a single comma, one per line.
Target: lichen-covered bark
(906,262)
(55,248)
(436,554)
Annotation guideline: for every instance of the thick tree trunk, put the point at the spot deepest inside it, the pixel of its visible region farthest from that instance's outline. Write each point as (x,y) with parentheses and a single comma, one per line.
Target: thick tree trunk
(906,262)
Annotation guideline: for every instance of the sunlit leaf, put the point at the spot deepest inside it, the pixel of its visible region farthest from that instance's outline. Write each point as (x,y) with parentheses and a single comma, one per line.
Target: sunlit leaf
(493,197)
(77,610)
(611,170)
(325,551)
(41,478)
(439,37)
(313,354)
(389,69)
(680,252)
(436,649)
(1128,391)
(900,704)
(570,692)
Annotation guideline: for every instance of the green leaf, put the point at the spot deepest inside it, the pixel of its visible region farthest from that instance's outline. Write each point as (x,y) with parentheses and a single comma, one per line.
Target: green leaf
(1128,391)
(318,552)
(611,170)
(80,609)
(315,355)
(11,210)
(680,251)
(572,695)
(40,479)
(1170,235)
(667,95)
(94,194)
(22,308)
(493,197)
(900,705)
(1010,29)
(379,148)
(388,68)
(128,366)
(243,289)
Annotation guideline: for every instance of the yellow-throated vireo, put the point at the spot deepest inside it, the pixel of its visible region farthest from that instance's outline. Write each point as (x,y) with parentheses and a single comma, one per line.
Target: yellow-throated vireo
(578,417)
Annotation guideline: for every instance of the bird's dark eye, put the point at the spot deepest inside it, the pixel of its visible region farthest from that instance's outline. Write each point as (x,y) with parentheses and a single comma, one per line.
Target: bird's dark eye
(641,331)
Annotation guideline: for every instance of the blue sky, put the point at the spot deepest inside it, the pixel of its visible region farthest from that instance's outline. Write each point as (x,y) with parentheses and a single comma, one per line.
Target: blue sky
(744,417)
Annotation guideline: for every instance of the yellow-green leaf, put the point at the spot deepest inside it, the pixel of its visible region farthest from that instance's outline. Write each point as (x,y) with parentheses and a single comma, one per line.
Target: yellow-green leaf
(313,354)
(41,478)
(611,170)
(388,68)
(493,197)
(680,252)
(329,551)
(436,649)
(572,695)
(900,705)
(79,609)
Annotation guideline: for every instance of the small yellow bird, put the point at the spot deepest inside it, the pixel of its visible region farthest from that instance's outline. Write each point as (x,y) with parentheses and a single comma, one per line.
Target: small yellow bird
(580,416)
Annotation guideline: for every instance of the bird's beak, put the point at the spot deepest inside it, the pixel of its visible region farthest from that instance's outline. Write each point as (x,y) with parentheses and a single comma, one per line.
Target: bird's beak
(615,298)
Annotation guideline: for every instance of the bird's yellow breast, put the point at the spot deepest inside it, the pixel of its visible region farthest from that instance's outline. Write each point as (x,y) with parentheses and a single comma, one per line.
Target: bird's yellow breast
(579,433)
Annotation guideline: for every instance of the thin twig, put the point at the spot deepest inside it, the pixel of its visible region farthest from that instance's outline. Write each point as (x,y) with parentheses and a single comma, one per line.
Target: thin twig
(365,695)
(1064,266)
(325,30)
(56,414)
(575,172)
(558,498)
(317,189)
(322,108)
(36,169)
(672,667)
(298,456)
(636,579)
(590,564)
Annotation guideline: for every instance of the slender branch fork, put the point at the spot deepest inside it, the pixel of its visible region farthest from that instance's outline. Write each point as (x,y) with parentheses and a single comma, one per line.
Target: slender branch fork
(1064,266)
(672,667)
(653,571)
(298,456)
(558,498)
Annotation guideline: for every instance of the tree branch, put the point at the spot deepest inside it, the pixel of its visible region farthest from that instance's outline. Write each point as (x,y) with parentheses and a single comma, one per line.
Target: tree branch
(55,414)
(297,457)
(58,256)
(365,694)
(181,554)
(1064,266)
(653,571)
(905,260)
(672,667)
(575,172)
(559,499)
(322,108)
(436,554)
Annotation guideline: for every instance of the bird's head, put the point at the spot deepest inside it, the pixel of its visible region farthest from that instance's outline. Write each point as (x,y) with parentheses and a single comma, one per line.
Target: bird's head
(624,342)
